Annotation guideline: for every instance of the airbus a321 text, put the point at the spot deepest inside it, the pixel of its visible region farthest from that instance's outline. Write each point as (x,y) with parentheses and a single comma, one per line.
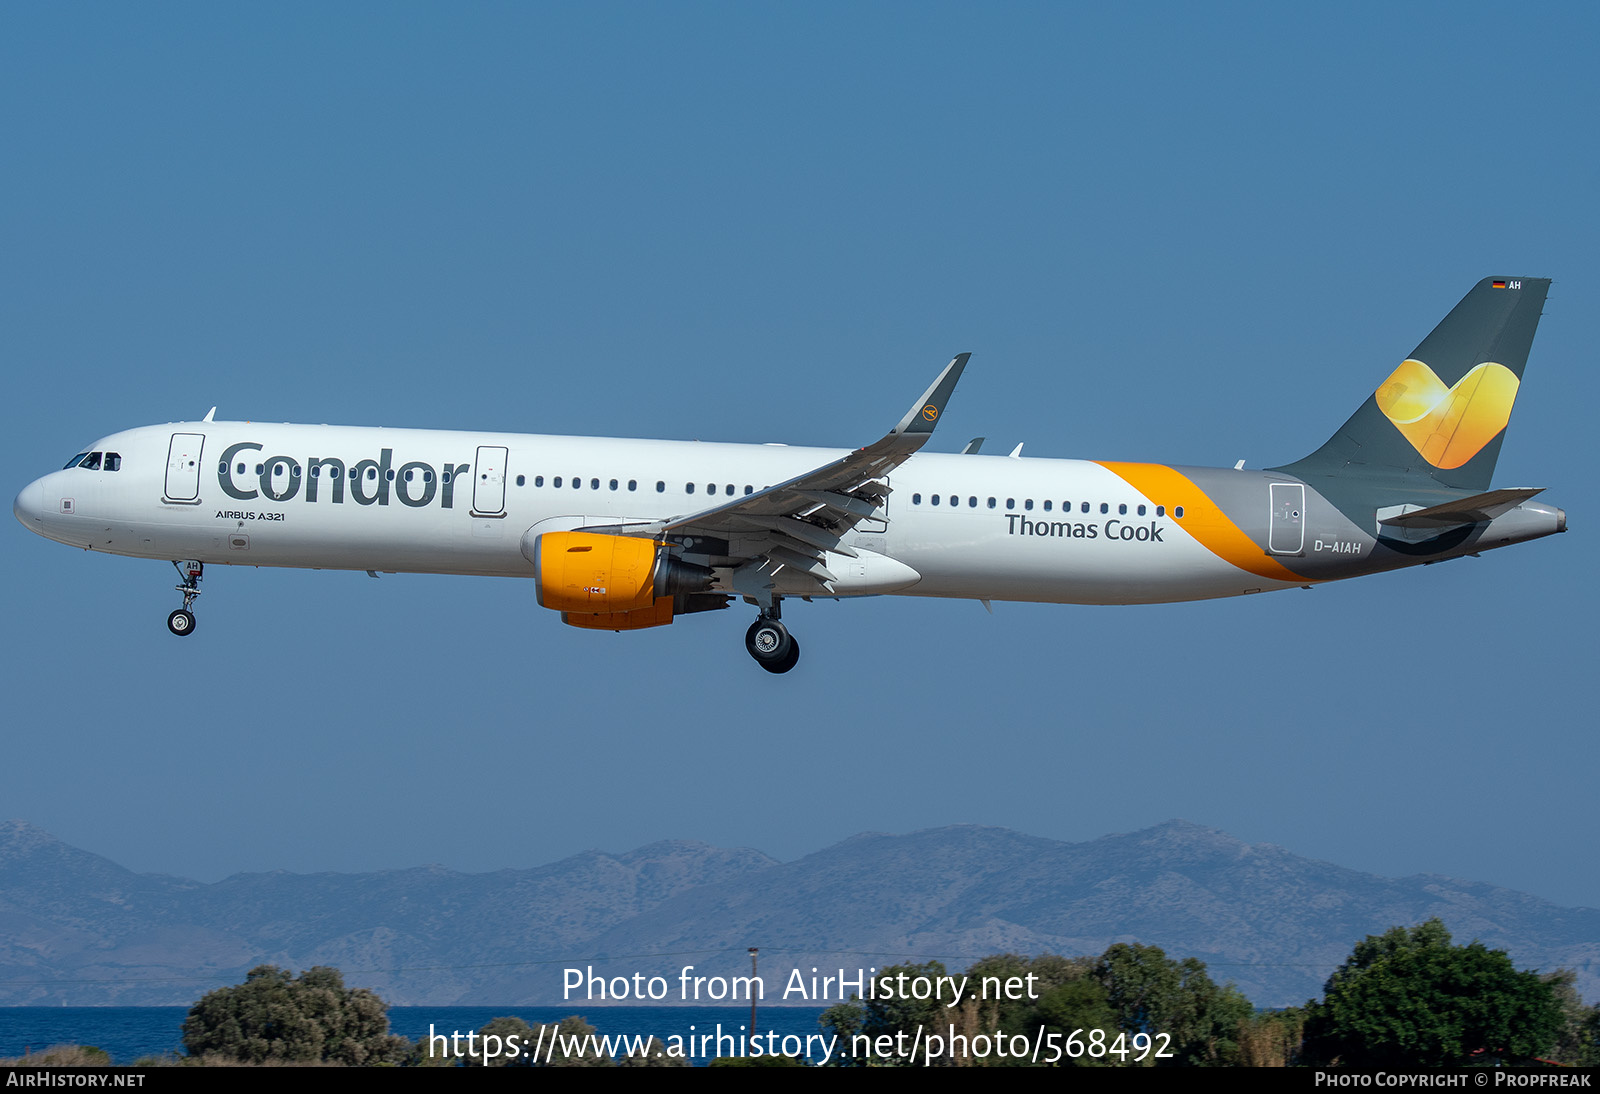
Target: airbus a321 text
(620,534)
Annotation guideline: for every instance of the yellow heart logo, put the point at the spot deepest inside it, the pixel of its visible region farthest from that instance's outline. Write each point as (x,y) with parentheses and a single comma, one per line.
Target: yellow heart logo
(1448,426)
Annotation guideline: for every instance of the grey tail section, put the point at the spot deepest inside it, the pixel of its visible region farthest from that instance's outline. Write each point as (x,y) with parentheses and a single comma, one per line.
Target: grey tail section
(1495,322)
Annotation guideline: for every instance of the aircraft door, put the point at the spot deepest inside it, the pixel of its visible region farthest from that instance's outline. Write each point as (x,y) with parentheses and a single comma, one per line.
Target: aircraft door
(1287,535)
(183,466)
(489,482)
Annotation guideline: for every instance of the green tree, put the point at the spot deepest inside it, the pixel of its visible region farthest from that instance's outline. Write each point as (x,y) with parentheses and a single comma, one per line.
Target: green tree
(1062,997)
(492,1047)
(1074,1007)
(888,1011)
(1154,995)
(1272,1038)
(572,1042)
(273,1016)
(653,1054)
(842,1022)
(1408,998)
(1577,1042)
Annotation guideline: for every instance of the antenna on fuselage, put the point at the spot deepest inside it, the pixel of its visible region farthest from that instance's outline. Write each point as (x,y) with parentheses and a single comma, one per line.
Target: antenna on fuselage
(210,415)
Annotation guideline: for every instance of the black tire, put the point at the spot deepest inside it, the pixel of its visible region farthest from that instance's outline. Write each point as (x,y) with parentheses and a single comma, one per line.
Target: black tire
(768,641)
(789,661)
(181,623)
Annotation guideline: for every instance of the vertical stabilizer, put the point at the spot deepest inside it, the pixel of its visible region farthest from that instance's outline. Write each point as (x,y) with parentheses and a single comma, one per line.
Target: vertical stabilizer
(1440,417)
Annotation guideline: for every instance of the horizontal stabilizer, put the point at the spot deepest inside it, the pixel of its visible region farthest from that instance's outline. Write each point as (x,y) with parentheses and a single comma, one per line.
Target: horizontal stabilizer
(1477,509)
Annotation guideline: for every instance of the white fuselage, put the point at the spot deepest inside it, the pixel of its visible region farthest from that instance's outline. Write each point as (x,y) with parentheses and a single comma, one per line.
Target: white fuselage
(430,501)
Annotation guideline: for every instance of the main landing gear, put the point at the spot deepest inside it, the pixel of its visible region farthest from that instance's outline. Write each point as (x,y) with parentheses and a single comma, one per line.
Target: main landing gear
(181,622)
(771,644)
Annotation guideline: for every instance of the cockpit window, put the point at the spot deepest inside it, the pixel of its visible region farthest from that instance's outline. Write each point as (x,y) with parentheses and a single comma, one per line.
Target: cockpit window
(113,461)
(91,462)
(74,461)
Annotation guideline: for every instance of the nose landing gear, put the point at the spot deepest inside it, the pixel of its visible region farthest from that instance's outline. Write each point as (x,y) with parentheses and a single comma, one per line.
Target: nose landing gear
(771,644)
(181,622)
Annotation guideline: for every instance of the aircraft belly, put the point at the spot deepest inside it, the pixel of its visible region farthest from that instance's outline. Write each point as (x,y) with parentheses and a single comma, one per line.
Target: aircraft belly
(352,538)
(1075,572)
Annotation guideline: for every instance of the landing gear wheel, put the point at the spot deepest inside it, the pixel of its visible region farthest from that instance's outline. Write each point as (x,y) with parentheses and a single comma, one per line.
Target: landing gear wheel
(181,622)
(788,662)
(770,643)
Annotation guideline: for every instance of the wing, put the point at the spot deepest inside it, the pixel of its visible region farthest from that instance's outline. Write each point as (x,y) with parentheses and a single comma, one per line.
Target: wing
(789,528)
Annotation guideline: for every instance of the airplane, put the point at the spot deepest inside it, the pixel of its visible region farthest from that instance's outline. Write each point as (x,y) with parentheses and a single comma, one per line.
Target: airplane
(621,534)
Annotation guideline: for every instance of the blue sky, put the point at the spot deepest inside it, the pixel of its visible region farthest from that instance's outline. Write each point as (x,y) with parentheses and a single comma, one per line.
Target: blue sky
(1177,233)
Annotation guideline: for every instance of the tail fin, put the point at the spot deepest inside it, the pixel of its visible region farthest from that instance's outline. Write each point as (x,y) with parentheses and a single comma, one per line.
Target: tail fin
(1442,415)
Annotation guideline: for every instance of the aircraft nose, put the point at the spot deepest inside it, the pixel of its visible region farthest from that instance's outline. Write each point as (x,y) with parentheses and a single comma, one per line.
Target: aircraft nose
(29,505)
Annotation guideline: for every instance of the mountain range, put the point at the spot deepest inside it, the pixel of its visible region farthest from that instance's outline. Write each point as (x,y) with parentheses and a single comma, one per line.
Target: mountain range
(77,929)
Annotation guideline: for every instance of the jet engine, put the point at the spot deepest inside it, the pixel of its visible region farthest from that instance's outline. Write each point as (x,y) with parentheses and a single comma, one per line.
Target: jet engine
(616,583)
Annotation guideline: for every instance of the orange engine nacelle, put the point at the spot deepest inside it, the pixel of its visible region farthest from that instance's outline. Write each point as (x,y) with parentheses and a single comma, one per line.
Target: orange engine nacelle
(611,583)
(657,615)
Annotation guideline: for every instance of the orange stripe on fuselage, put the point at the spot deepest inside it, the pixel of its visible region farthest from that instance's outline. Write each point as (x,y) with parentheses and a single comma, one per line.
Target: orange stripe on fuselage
(1202,518)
